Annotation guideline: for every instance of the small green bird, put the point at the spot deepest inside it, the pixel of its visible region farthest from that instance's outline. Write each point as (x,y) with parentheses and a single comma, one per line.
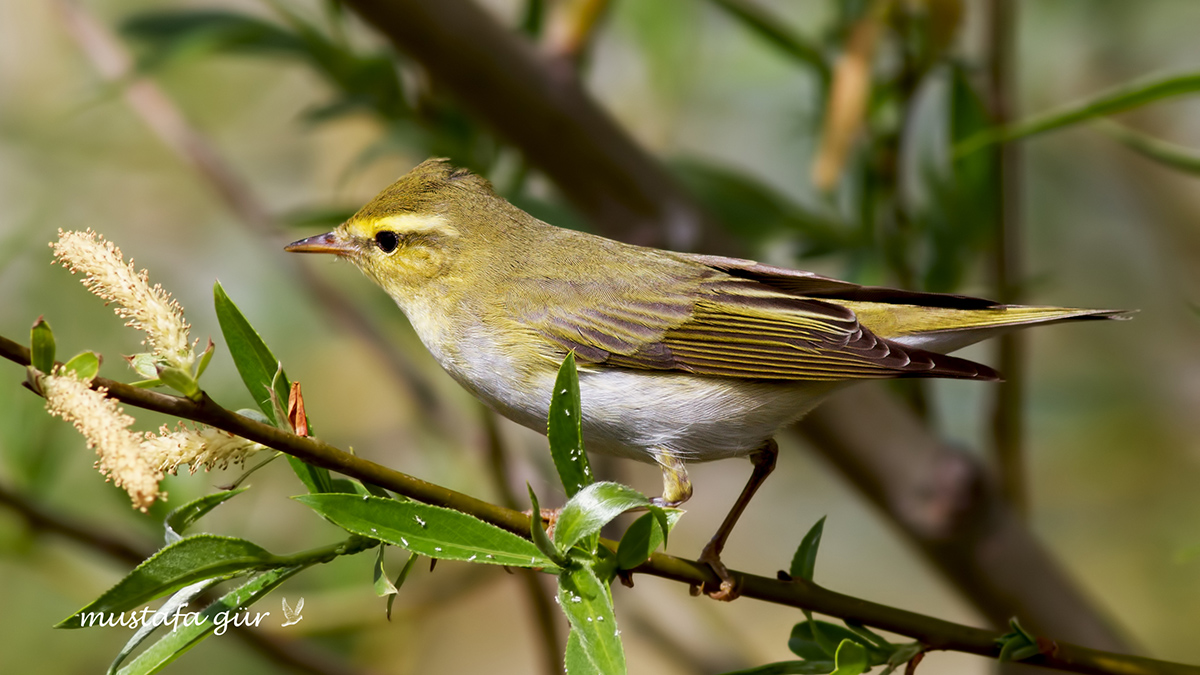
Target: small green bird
(682,357)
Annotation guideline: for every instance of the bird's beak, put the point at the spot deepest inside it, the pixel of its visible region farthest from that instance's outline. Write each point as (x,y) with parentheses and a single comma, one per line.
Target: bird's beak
(329,242)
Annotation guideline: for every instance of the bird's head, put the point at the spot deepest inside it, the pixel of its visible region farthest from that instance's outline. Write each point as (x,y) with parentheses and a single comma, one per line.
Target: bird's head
(430,224)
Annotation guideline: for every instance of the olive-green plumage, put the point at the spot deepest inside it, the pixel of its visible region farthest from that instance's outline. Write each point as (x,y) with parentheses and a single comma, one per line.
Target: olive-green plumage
(682,357)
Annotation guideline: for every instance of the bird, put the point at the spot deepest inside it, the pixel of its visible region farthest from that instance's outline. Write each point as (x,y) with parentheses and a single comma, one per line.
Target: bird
(682,357)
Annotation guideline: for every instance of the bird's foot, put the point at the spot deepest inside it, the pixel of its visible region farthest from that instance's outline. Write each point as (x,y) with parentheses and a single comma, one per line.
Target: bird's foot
(728,590)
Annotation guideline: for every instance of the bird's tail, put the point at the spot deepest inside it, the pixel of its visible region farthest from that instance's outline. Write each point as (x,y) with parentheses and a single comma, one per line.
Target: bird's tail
(945,329)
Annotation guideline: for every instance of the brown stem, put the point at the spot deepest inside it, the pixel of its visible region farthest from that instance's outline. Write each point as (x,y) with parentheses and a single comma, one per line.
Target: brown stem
(935,633)
(1008,412)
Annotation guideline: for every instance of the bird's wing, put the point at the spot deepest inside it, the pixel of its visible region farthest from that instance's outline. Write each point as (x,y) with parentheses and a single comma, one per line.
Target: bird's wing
(732,327)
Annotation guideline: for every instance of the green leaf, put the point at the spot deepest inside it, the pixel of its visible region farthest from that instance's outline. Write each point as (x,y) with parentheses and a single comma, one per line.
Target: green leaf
(176,602)
(538,533)
(180,380)
(588,605)
(643,537)
(432,531)
(1018,644)
(804,563)
(216,617)
(772,31)
(591,509)
(399,582)
(182,517)
(205,358)
(383,585)
(185,562)
(41,346)
(144,364)
(264,377)
(1125,97)
(851,659)
(576,661)
(85,365)
(565,432)
(253,359)
(822,644)
(1170,155)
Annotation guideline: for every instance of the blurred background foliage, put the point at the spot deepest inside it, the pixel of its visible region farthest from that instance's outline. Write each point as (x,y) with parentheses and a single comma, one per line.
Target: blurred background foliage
(314,114)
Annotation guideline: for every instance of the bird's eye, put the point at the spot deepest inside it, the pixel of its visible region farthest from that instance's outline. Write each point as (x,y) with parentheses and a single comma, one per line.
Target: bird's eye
(387,240)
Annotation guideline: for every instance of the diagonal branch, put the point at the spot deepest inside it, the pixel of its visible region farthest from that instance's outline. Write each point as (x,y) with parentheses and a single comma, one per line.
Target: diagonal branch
(935,633)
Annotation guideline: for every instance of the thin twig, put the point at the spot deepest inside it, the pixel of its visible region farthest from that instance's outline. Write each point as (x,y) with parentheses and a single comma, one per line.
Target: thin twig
(1008,412)
(937,634)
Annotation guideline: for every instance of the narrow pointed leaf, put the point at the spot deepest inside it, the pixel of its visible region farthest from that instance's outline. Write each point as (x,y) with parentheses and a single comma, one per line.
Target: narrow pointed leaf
(804,563)
(182,517)
(591,509)
(564,430)
(1170,155)
(588,605)
(432,531)
(203,556)
(1113,101)
(175,643)
(263,377)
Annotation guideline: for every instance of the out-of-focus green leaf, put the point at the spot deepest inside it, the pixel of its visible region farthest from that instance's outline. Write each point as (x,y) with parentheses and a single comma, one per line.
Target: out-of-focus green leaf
(754,211)
(588,605)
(41,346)
(187,561)
(180,380)
(565,432)
(182,517)
(591,509)
(1168,154)
(432,531)
(643,537)
(215,618)
(822,643)
(1118,99)
(804,562)
(772,31)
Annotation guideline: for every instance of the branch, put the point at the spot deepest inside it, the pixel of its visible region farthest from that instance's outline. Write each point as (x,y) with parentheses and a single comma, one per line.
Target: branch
(935,633)
(546,114)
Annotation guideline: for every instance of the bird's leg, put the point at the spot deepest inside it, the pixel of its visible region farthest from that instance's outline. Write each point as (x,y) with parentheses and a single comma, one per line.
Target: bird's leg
(677,488)
(763,460)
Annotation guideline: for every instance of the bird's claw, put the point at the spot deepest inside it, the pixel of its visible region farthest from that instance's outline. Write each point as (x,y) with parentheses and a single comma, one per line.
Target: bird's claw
(728,590)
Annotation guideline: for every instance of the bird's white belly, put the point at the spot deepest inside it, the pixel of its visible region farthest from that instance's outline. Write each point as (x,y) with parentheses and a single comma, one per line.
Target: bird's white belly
(629,412)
